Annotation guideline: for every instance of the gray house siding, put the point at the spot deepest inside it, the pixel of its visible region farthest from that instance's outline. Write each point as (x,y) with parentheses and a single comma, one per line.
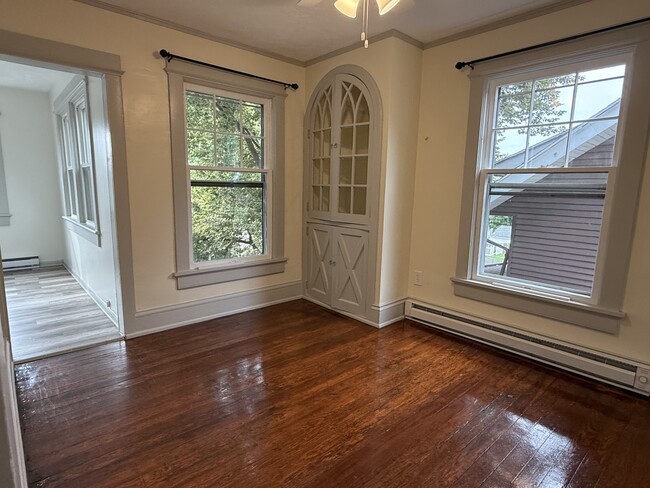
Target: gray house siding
(555,239)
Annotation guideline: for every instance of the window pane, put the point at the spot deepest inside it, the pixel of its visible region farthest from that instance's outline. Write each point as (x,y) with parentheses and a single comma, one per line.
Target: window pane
(515,89)
(228,115)
(88,190)
(345,171)
(547,146)
(200,148)
(509,143)
(555,82)
(602,73)
(592,143)
(227,215)
(599,99)
(228,151)
(513,110)
(346,140)
(550,106)
(252,119)
(198,111)
(253,152)
(361,170)
(361,146)
(544,229)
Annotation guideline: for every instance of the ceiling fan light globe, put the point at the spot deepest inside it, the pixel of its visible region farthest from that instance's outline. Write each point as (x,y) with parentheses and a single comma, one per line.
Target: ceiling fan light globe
(386,5)
(347,7)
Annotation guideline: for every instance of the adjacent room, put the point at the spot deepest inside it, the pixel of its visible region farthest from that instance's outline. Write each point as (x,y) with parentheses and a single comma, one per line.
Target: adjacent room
(325,243)
(56,240)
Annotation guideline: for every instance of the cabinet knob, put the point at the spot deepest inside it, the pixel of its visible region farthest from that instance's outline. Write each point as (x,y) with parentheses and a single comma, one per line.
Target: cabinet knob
(334,145)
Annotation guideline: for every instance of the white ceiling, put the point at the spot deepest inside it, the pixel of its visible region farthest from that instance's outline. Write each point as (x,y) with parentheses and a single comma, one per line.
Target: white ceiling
(284,29)
(14,75)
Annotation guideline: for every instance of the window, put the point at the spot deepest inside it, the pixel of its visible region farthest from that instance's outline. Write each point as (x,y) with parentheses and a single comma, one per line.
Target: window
(555,148)
(75,143)
(227,155)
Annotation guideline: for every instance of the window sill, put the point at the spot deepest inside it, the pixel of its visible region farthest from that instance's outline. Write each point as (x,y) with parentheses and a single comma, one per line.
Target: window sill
(91,235)
(193,278)
(589,316)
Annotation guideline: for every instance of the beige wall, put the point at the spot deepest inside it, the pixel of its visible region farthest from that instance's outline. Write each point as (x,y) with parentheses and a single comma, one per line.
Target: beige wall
(439,172)
(146,114)
(440,137)
(395,67)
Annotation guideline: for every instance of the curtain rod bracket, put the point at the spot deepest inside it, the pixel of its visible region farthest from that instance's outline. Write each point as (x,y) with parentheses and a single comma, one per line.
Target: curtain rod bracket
(169,57)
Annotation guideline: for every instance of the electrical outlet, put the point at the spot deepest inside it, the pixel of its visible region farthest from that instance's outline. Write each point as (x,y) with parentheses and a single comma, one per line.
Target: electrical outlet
(418,278)
(108,304)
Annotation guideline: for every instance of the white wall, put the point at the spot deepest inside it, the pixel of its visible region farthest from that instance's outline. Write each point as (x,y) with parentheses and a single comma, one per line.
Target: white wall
(92,265)
(32,177)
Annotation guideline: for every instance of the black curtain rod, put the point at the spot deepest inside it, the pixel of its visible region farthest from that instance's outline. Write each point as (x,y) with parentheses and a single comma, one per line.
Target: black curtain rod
(462,64)
(169,56)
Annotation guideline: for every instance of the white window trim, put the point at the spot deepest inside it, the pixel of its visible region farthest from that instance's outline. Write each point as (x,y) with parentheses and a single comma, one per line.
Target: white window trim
(5,215)
(189,274)
(603,310)
(66,104)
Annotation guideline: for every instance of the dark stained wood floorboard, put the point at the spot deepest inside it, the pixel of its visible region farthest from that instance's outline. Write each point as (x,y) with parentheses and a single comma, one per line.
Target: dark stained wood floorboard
(294,395)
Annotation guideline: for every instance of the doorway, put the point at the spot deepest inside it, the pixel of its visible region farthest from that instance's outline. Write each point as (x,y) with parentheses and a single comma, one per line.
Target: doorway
(57,230)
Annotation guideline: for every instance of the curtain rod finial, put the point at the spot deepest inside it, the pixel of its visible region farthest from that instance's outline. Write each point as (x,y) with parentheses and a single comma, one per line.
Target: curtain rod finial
(460,64)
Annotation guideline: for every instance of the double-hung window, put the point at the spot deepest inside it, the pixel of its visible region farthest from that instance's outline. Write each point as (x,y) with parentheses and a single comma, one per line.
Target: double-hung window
(75,143)
(547,174)
(229,174)
(227,154)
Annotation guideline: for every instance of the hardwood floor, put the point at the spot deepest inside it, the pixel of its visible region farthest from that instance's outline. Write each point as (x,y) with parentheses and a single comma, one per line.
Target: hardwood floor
(296,396)
(50,313)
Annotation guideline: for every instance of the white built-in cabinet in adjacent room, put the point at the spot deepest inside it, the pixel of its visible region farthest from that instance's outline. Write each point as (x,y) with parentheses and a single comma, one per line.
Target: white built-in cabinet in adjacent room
(342,152)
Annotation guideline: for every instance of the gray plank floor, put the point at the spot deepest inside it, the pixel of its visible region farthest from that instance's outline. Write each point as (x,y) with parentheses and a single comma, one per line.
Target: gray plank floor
(50,313)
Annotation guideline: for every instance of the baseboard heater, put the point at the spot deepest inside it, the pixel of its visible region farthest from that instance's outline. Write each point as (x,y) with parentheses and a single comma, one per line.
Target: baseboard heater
(14,264)
(609,369)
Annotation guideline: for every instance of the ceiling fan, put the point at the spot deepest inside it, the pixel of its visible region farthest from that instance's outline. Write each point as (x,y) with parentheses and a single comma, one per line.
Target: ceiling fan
(350,8)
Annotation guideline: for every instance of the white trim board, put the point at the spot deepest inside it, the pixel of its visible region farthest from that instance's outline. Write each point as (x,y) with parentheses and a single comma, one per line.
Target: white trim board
(158,319)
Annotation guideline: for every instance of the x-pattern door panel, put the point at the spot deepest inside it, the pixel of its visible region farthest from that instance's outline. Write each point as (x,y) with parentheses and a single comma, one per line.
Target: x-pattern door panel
(320,263)
(350,274)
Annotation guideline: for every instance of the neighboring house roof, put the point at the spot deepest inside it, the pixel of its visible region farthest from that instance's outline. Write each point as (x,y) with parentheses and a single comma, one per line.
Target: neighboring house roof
(584,138)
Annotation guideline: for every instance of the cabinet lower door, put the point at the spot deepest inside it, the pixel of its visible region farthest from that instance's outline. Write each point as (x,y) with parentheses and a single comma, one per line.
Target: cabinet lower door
(319,280)
(349,270)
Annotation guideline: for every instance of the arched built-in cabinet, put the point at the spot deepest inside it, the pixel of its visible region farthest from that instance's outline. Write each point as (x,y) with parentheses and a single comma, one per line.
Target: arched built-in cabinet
(342,161)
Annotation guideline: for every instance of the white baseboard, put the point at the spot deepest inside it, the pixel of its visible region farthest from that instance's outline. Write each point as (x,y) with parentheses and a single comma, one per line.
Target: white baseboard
(158,319)
(100,303)
(380,315)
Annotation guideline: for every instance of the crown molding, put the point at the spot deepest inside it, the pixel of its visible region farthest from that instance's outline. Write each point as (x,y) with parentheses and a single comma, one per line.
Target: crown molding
(497,24)
(188,30)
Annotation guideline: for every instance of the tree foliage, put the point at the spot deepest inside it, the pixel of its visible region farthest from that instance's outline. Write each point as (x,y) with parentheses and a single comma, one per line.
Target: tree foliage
(223,135)
(532,108)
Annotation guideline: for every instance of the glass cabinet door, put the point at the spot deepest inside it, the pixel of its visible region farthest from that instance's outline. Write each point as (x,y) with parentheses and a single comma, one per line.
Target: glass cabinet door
(339,152)
(321,146)
(354,135)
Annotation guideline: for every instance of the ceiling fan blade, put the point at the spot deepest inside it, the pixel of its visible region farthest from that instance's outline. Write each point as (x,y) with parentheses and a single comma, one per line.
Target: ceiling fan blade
(308,3)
